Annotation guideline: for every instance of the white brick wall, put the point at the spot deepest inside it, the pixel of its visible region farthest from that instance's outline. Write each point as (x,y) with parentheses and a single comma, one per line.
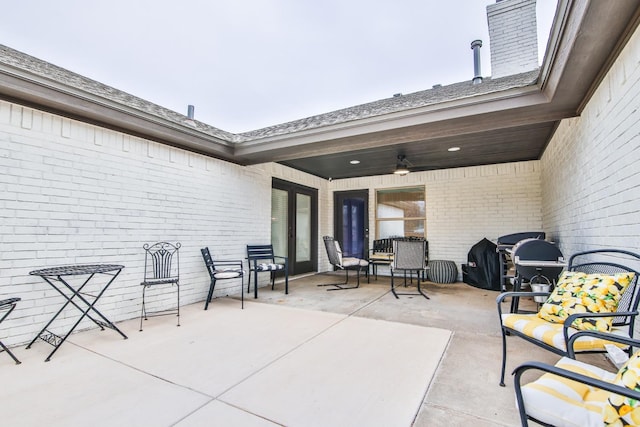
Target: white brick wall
(75,193)
(513,37)
(591,177)
(465,205)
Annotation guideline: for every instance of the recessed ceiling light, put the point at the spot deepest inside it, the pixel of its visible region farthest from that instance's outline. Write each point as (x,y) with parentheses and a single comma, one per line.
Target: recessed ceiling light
(454,149)
(355,162)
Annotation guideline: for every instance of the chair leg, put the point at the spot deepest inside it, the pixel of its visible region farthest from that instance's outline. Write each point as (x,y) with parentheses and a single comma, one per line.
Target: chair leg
(504,355)
(393,288)
(178,286)
(143,313)
(286,281)
(420,289)
(341,286)
(15,359)
(255,285)
(212,286)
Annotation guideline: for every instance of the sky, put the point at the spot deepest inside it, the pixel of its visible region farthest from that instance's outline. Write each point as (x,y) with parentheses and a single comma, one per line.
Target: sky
(248,64)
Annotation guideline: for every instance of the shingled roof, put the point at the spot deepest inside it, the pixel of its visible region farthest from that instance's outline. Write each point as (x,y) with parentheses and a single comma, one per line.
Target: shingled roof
(440,94)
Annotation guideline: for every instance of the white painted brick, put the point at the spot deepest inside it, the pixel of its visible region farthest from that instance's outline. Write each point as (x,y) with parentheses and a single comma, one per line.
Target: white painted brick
(590,178)
(68,201)
(513,37)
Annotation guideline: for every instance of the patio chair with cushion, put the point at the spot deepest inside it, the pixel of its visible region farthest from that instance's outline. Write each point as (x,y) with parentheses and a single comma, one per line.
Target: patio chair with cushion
(573,393)
(262,260)
(7,305)
(334,253)
(598,292)
(161,268)
(408,257)
(225,269)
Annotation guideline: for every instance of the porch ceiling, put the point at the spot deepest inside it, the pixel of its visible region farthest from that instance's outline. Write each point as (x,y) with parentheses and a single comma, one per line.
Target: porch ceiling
(508,126)
(502,120)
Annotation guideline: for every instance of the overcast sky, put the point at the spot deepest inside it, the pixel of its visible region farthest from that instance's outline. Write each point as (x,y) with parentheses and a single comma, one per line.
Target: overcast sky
(247,64)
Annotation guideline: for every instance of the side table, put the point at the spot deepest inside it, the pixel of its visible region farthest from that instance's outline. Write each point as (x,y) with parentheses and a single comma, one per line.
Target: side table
(441,271)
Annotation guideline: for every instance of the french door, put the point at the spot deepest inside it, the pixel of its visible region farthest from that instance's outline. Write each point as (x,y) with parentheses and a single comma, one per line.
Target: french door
(351,222)
(294,224)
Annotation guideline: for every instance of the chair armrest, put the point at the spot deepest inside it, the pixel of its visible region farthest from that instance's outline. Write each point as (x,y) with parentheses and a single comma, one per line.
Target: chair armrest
(569,320)
(570,340)
(500,298)
(229,263)
(602,335)
(286,259)
(603,385)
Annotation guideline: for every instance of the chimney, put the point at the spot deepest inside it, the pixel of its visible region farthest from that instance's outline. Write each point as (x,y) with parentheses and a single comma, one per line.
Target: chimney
(513,37)
(191,111)
(477,73)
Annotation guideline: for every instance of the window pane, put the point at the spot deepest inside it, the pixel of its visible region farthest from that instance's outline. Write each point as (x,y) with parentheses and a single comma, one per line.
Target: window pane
(400,212)
(401,203)
(303,228)
(400,228)
(279,203)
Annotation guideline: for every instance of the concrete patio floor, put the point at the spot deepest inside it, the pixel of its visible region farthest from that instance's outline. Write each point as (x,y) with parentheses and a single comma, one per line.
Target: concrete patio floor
(463,391)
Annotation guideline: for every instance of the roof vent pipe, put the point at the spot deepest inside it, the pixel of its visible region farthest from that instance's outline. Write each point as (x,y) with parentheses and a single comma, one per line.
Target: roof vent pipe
(477,74)
(191,111)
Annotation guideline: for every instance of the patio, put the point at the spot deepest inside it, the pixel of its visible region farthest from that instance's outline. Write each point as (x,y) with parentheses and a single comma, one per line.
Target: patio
(253,371)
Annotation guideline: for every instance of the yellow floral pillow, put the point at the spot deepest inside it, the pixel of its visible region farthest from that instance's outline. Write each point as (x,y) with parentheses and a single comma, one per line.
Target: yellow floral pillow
(585,293)
(620,410)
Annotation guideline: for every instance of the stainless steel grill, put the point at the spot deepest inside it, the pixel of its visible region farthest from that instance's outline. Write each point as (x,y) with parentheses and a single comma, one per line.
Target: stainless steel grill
(537,262)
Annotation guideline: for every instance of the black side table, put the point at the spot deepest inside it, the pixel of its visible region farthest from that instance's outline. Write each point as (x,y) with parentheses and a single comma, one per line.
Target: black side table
(76,297)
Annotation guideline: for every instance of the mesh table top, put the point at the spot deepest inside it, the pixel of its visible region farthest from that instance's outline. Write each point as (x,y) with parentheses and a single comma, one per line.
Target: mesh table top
(71,270)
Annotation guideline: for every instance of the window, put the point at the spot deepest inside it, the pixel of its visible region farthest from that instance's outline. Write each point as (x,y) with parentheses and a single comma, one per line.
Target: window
(400,212)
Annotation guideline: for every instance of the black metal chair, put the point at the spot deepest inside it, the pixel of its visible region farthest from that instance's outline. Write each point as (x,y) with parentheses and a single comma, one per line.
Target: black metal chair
(409,257)
(8,305)
(334,252)
(559,338)
(261,260)
(226,269)
(161,268)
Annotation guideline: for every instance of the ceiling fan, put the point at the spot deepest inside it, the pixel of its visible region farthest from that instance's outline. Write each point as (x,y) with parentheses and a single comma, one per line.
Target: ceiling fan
(402,165)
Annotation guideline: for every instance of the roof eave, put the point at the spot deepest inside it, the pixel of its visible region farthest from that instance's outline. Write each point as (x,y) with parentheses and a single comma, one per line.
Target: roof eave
(32,90)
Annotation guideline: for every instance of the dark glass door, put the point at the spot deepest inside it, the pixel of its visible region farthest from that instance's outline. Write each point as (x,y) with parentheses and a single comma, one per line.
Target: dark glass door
(351,222)
(294,224)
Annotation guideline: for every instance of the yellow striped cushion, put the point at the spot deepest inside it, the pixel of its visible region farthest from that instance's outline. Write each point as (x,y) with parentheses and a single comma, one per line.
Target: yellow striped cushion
(620,410)
(564,403)
(551,333)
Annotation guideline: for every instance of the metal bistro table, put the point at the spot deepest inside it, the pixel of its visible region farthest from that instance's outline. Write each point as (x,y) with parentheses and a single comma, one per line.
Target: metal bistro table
(75,296)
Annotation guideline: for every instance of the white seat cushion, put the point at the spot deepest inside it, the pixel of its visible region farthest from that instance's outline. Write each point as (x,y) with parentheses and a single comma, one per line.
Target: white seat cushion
(565,403)
(226,274)
(353,262)
(270,267)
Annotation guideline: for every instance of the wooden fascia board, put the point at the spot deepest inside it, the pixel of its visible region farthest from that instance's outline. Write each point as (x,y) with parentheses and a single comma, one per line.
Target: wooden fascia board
(437,116)
(45,94)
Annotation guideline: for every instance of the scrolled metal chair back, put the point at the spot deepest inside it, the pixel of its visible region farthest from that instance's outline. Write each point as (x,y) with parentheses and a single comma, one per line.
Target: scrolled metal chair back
(161,257)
